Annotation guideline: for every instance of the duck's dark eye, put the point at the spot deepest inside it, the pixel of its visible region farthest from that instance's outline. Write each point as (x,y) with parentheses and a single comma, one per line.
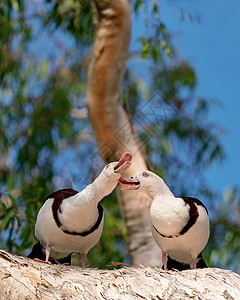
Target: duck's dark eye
(107,166)
(145,174)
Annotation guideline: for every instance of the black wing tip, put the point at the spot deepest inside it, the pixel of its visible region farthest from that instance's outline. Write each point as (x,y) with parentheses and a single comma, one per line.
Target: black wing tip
(65,260)
(172,264)
(201,264)
(38,252)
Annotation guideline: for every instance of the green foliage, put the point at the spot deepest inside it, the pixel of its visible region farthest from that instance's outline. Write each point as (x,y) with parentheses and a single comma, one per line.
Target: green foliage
(188,127)
(35,119)
(113,230)
(157,44)
(223,248)
(74,17)
(42,143)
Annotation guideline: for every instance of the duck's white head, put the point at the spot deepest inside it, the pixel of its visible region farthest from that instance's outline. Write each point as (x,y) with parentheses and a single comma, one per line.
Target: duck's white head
(109,176)
(147,182)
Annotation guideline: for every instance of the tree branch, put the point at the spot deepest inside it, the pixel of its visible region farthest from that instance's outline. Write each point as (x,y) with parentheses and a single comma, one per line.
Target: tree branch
(22,278)
(111,124)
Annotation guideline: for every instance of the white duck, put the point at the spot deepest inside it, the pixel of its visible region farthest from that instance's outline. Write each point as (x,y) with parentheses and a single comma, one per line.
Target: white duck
(180,225)
(72,222)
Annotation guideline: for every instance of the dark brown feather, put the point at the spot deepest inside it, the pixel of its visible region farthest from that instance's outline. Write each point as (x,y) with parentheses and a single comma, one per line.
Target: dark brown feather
(39,252)
(172,264)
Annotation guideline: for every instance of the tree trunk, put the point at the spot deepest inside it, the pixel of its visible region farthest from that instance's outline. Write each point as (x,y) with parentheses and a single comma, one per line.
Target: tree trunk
(112,125)
(22,278)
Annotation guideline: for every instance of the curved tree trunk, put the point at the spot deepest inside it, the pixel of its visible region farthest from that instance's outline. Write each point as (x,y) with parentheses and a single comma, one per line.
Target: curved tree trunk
(22,278)
(111,124)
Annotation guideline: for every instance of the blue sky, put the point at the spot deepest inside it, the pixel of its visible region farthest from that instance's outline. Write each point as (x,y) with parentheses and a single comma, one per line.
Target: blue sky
(211,43)
(212,46)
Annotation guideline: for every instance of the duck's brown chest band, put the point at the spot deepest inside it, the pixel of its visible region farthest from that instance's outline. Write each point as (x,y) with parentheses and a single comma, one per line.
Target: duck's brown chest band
(58,197)
(166,236)
(193,216)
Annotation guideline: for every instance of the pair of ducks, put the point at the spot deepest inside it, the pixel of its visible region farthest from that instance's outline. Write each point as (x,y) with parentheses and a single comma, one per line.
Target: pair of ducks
(72,222)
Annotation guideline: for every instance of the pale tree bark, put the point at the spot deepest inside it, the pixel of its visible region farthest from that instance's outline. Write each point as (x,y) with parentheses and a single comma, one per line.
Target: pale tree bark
(111,124)
(22,278)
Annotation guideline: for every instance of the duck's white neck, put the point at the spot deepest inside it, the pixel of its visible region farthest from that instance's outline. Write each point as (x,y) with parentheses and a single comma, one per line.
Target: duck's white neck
(83,206)
(159,191)
(102,186)
(92,194)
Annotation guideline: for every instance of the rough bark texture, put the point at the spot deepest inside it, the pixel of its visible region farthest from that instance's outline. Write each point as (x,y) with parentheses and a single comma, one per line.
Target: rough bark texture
(22,278)
(111,124)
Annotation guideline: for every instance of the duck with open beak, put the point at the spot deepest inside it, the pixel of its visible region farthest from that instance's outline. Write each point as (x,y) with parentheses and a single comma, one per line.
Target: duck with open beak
(72,222)
(180,225)
(123,163)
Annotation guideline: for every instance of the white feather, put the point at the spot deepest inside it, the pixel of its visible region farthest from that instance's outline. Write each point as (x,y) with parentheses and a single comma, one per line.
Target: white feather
(170,215)
(47,232)
(77,213)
